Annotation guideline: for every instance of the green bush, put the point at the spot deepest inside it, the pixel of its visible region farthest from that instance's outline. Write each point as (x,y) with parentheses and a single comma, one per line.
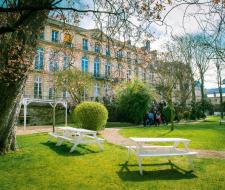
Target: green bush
(134,100)
(91,115)
(169,113)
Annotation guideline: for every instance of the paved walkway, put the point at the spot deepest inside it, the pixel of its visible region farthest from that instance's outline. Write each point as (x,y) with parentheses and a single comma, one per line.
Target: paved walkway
(112,136)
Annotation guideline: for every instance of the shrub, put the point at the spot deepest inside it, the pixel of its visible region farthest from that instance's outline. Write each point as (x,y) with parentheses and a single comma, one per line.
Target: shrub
(169,113)
(134,100)
(91,115)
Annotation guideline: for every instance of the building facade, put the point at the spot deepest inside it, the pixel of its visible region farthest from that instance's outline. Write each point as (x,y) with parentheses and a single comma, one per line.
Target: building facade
(62,45)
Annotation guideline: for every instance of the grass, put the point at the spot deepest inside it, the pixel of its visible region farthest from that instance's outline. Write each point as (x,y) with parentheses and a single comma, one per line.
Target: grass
(205,134)
(41,165)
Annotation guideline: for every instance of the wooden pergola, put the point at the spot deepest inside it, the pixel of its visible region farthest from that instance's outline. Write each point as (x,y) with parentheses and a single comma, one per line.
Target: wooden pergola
(52,102)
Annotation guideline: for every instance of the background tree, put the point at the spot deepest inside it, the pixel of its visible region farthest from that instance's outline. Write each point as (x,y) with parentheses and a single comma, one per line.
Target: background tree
(134,101)
(75,82)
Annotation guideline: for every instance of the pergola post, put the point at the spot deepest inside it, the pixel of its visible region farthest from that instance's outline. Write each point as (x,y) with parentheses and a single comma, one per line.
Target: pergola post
(66,114)
(24,115)
(54,105)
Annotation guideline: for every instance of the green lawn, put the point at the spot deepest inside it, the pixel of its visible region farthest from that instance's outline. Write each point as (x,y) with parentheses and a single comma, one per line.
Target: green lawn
(206,134)
(41,165)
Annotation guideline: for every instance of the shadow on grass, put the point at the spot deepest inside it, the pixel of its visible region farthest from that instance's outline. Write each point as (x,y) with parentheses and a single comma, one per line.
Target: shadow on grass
(64,149)
(175,173)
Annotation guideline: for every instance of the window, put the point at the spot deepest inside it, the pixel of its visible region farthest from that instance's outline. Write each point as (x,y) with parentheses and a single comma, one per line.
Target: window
(107,69)
(119,70)
(39,59)
(96,90)
(84,64)
(96,67)
(67,40)
(107,89)
(85,44)
(42,35)
(107,52)
(65,94)
(55,36)
(143,75)
(66,62)
(129,57)
(37,87)
(119,54)
(51,93)
(97,48)
(53,61)
(129,74)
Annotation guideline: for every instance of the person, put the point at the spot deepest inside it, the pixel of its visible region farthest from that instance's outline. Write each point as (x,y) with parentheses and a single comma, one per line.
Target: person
(158,118)
(145,119)
(150,118)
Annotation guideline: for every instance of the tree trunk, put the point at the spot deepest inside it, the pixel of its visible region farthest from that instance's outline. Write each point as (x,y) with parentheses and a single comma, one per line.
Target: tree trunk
(219,81)
(10,96)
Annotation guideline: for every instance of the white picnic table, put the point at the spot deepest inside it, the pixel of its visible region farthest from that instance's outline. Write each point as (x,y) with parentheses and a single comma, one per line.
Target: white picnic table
(142,149)
(76,136)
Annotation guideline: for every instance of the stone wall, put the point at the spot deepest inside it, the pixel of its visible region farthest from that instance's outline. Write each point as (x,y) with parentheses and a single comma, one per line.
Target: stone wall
(42,115)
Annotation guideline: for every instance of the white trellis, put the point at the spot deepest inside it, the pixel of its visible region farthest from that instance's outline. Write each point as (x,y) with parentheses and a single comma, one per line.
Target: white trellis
(52,102)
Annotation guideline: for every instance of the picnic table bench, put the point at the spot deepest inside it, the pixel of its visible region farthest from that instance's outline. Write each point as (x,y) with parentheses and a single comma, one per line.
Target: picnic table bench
(76,136)
(142,150)
(222,121)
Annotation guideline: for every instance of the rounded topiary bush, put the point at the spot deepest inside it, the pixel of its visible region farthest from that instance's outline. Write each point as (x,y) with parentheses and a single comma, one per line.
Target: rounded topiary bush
(91,115)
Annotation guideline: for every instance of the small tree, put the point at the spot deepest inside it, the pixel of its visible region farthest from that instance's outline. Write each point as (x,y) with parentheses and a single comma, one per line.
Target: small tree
(75,82)
(134,100)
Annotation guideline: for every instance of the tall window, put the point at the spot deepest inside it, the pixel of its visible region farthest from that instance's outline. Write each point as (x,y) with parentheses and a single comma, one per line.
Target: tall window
(53,61)
(96,67)
(143,75)
(129,57)
(119,54)
(119,67)
(107,69)
(84,64)
(85,44)
(97,48)
(66,62)
(42,35)
(65,94)
(107,52)
(37,87)
(107,89)
(129,74)
(96,90)
(51,93)
(55,36)
(39,59)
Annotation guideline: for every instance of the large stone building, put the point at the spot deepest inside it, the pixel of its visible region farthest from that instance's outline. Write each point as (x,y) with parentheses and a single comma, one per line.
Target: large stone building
(62,45)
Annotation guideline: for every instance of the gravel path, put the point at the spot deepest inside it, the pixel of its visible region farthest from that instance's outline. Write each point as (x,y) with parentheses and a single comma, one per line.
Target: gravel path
(112,136)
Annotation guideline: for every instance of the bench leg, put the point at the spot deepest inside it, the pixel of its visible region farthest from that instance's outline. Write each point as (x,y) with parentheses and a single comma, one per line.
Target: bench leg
(100,145)
(128,158)
(73,147)
(191,165)
(60,141)
(140,166)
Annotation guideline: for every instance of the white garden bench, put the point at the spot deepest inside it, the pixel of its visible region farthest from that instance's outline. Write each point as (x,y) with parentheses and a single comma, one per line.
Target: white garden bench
(222,121)
(141,150)
(76,136)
